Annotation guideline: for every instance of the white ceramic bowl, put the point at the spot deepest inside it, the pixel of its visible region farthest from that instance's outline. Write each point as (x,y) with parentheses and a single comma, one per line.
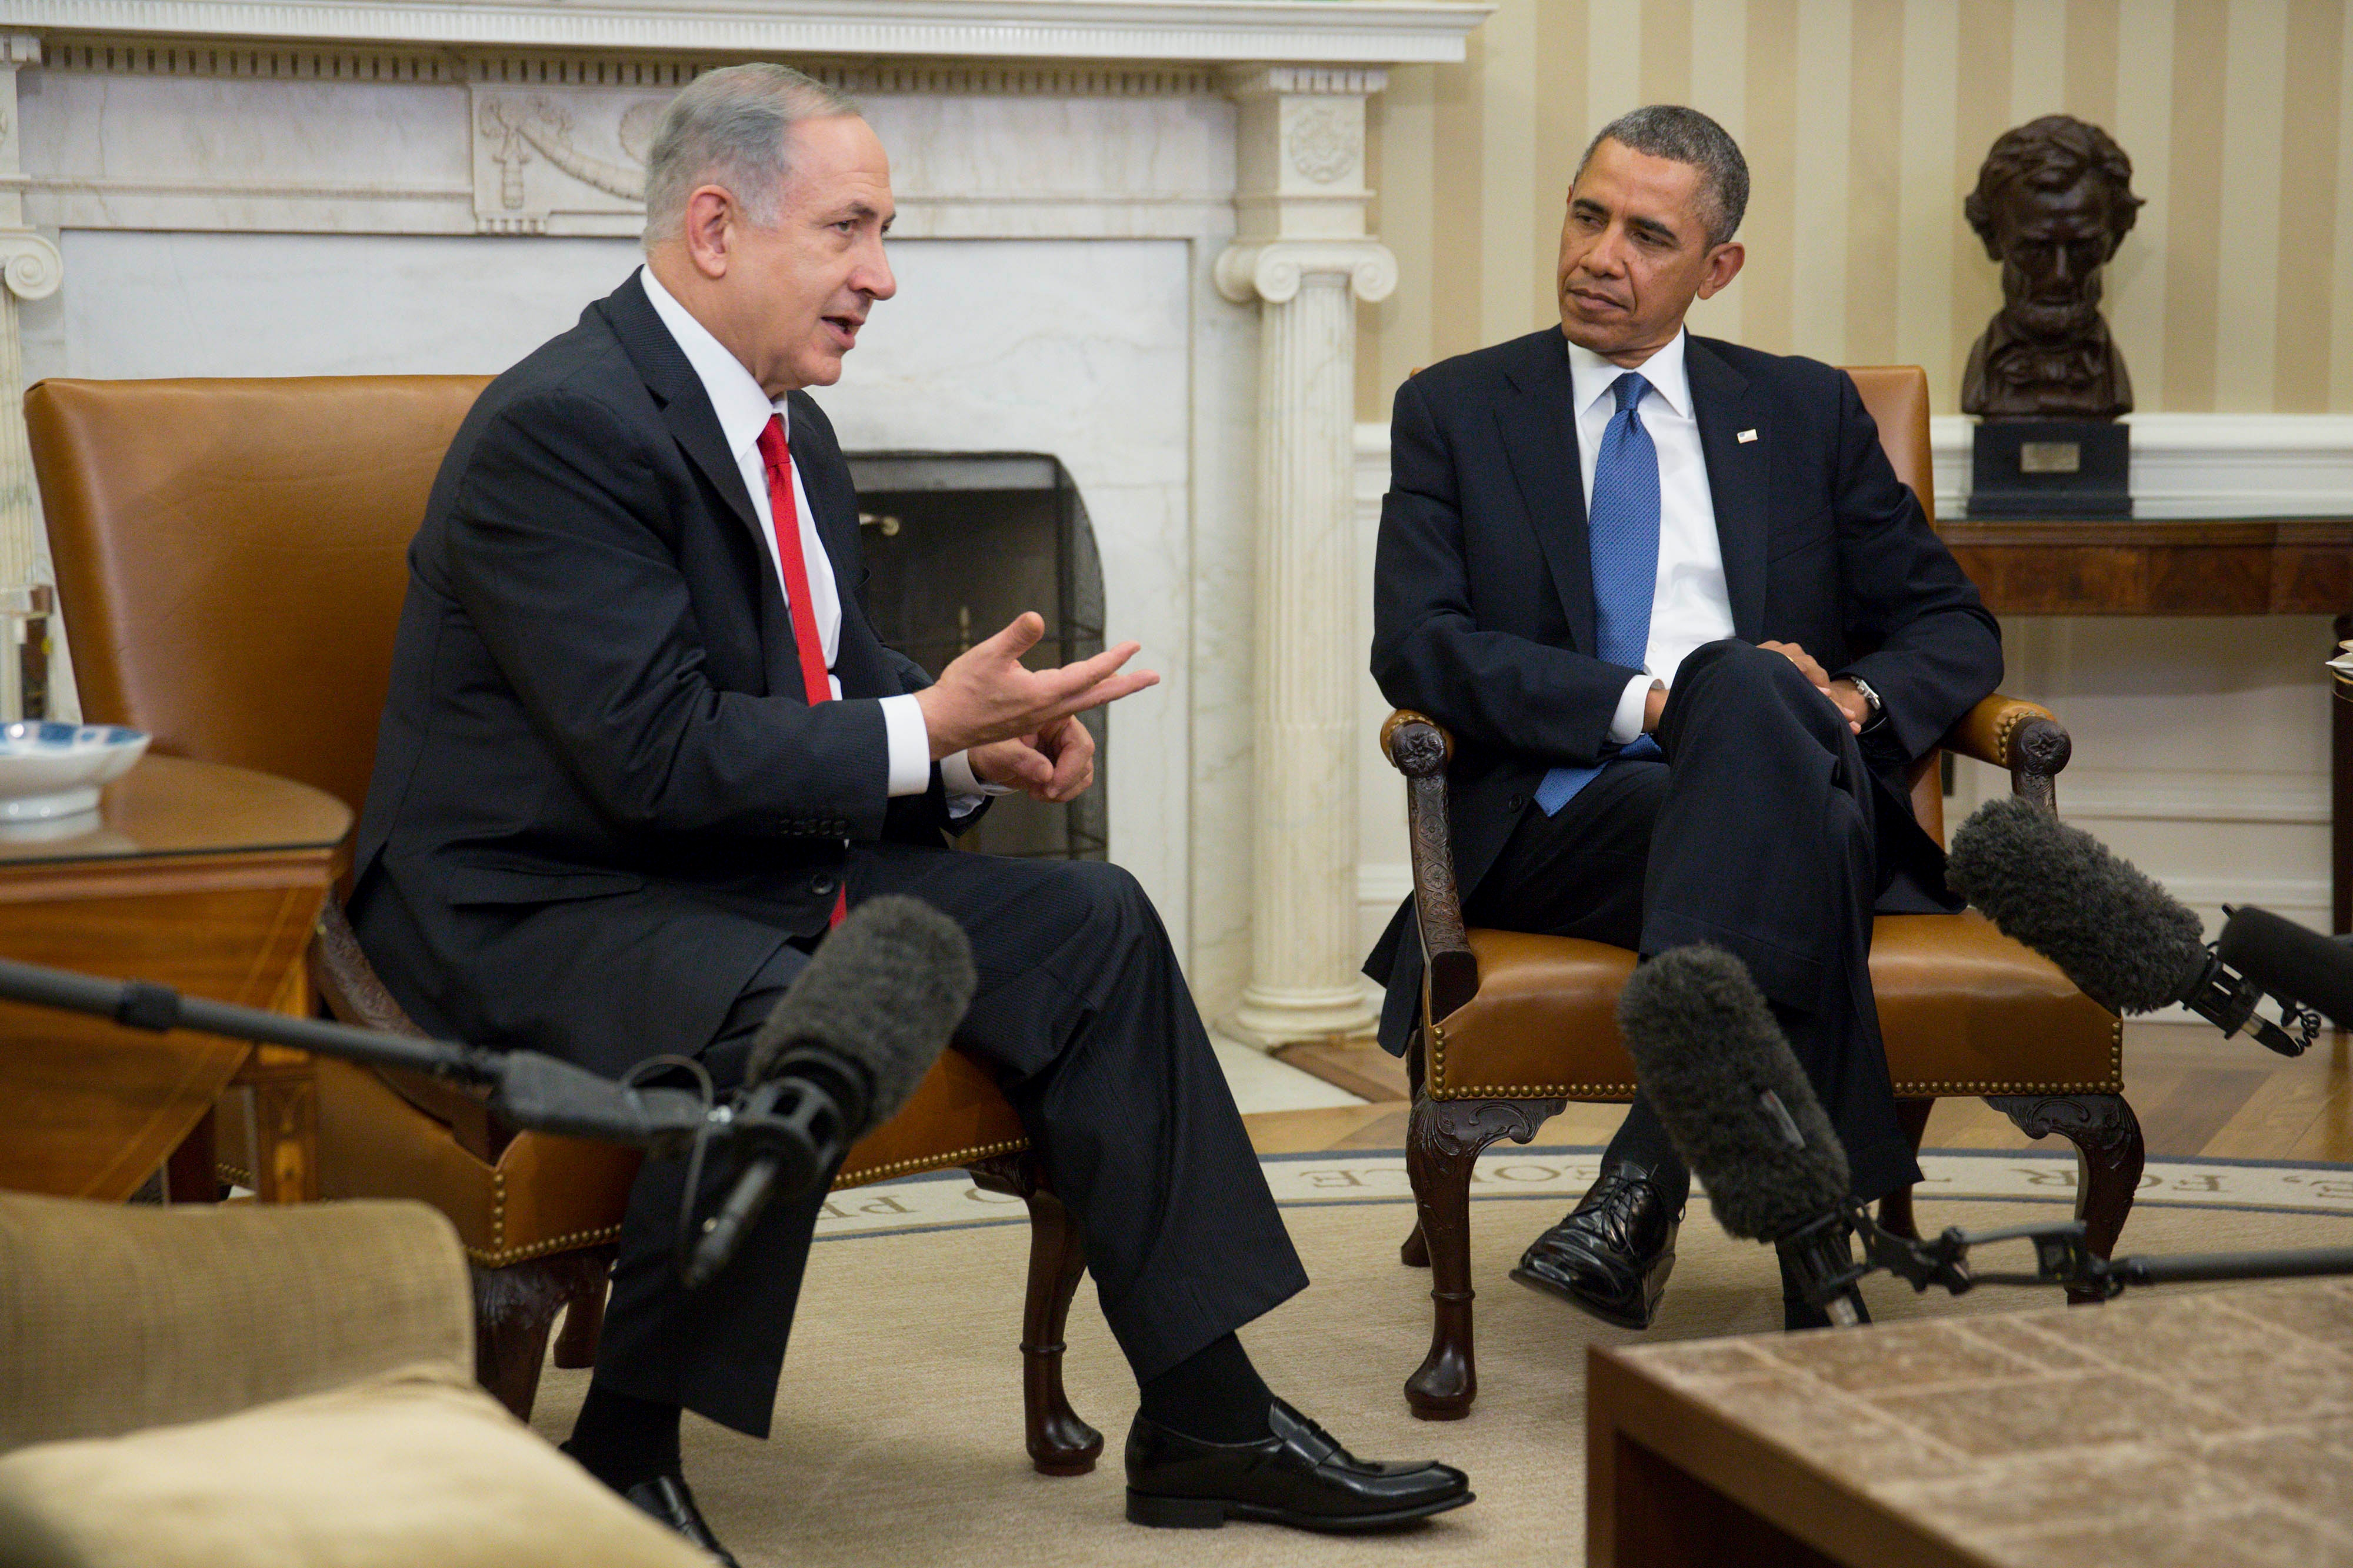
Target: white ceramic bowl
(49,769)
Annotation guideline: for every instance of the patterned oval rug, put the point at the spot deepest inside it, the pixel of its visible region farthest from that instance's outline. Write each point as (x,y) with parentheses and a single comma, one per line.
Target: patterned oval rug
(898,1429)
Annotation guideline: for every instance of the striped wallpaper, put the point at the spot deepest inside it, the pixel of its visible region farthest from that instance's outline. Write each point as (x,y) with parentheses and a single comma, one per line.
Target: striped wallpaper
(1863,123)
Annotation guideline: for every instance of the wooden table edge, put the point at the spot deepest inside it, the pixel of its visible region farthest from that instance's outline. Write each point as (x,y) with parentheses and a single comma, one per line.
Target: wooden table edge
(1763,1476)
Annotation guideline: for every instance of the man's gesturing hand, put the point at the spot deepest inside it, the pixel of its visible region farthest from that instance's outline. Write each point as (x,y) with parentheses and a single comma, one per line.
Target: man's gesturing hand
(987,695)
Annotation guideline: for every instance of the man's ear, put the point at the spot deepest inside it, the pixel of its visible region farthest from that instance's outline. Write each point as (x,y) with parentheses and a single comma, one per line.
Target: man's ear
(1723,267)
(709,230)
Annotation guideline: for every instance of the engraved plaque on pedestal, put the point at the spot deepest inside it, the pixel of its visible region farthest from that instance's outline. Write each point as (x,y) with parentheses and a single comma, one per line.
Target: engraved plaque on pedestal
(2051,468)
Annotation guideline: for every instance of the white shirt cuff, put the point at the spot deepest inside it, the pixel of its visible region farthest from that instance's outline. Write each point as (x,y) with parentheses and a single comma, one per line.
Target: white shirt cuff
(1628,725)
(911,745)
(964,785)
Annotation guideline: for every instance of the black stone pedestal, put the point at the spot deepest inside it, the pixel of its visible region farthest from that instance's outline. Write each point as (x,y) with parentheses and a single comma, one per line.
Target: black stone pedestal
(2051,468)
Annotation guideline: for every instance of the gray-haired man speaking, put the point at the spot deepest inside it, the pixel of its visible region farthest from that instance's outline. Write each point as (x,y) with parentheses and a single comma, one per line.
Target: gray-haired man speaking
(642,746)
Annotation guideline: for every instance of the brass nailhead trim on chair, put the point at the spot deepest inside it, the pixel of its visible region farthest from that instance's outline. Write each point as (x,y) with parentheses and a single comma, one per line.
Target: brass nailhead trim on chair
(2002,736)
(930,1162)
(499,1259)
(498,1255)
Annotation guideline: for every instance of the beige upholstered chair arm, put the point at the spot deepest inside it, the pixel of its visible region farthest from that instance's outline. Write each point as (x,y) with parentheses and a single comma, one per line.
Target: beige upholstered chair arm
(2025,737)
(117,1318)
(1419,748)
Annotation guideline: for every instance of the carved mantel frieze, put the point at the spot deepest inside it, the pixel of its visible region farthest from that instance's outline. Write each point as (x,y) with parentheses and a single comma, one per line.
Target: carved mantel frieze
(561,158)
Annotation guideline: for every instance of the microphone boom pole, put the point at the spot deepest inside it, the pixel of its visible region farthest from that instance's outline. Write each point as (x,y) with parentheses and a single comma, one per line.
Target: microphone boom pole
(530,1091)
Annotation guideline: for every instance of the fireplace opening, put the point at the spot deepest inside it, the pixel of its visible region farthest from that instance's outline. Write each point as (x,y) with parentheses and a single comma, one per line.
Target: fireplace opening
(959,543)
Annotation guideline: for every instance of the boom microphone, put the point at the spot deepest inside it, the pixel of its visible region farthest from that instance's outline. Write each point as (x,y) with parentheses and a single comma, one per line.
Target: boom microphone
(1730,1093)
(842,1053)
(2127,943)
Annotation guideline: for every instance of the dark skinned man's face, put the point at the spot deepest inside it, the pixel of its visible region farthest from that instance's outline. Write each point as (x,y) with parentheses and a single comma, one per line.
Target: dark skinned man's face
(1634,253)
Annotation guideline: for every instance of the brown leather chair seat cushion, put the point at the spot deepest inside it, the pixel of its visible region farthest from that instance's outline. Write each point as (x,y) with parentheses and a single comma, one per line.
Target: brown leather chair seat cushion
(957,1115)
(1965,1010)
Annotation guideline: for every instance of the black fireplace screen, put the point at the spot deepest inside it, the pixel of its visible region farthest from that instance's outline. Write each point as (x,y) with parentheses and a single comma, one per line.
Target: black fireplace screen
(958,544)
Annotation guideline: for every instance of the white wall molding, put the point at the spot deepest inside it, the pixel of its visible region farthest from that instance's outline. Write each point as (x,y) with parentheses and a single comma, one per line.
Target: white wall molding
(2241,464)
(2193,796)
(1373,32)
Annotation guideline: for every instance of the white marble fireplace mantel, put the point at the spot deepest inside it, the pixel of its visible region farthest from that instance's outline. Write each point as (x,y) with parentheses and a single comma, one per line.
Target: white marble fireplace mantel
(1131,235)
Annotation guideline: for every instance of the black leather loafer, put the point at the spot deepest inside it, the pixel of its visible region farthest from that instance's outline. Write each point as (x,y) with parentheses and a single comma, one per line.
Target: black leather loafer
(671,1504)
(1298,1476)
(1613,1255)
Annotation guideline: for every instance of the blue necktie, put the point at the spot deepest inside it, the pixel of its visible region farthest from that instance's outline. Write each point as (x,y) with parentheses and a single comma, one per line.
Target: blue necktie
(1623,531)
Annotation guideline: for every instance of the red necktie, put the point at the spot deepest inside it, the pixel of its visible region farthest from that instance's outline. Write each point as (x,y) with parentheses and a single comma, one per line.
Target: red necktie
(784,523)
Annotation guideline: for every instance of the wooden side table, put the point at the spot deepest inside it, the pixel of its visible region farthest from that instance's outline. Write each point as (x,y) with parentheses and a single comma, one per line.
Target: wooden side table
(199,877)
(2211,566)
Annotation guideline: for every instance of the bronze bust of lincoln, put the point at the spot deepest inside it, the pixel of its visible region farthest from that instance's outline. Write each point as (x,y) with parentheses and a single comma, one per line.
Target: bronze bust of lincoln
(2052,202)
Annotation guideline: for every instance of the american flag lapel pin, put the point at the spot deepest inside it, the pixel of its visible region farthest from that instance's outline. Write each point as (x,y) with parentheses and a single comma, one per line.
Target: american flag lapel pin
(1745,436)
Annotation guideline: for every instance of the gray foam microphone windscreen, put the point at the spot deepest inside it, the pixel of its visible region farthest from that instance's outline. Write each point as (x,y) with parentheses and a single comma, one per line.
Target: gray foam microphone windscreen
(1708,1051)
(882,993)
(2126,943)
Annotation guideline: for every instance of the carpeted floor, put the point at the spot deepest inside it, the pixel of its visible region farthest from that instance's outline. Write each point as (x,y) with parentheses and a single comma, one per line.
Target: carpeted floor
(898,1426)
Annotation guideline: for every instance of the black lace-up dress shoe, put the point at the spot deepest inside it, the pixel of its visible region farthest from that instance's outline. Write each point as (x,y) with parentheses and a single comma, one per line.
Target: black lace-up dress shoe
(667,1498)
(1298,1476)
(1613,1255)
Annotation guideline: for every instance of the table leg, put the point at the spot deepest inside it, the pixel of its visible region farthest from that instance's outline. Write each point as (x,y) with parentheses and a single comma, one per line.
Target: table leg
(285,1125)
(2341,796)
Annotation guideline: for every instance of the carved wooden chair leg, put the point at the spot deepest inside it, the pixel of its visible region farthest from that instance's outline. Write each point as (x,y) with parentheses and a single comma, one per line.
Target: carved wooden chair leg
(1442,1145)
(1060,1444)
(583,1325)
(514,1308)
(1415,1252)
(1895,1208)
(2109,1157)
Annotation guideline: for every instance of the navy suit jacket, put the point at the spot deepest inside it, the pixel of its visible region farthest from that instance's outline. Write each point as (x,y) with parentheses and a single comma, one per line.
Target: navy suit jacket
(1482,608)
(602,800)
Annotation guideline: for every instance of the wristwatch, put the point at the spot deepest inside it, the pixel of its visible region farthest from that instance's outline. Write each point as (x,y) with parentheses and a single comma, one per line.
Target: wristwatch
(1871,699)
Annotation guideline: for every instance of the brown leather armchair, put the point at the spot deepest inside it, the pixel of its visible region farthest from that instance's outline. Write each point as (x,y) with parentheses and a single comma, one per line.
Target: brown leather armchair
(231,559)
(1514,1027)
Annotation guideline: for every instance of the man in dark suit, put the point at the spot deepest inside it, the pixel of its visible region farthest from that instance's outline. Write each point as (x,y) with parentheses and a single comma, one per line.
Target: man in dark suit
(1687,629)
(642,747)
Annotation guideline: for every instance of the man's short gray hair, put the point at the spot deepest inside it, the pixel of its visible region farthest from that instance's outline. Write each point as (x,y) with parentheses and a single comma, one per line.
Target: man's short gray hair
(729,127)
(1686,136)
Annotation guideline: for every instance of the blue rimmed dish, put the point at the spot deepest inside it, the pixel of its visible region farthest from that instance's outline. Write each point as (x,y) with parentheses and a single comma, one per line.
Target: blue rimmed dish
(49,769)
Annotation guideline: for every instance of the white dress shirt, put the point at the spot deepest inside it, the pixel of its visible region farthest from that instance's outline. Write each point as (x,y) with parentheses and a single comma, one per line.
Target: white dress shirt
(1690,604)
(744,411)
